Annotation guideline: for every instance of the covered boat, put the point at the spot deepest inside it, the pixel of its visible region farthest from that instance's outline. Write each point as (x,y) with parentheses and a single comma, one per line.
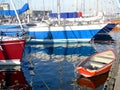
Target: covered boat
(96,64)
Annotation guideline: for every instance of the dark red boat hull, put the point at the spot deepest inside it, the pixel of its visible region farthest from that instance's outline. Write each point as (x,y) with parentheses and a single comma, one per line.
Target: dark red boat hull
(11,51)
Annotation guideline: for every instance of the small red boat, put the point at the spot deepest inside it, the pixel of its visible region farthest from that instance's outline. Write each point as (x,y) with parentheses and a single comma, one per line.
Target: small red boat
(11,50)
(96,64)
(12,78)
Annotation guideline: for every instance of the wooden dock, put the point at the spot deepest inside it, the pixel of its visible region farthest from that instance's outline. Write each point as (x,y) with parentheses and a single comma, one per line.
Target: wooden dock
(113,80)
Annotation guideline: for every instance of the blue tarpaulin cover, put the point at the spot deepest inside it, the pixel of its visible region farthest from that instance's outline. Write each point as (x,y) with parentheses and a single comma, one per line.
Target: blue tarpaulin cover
(64,15)
(12,12)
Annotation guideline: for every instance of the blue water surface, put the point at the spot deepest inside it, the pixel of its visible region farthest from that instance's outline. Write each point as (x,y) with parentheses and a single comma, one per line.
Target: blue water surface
(53,66)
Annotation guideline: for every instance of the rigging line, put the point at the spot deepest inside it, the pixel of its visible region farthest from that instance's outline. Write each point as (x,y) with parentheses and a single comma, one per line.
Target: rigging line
(39,75)
(16,14)
(73,33)
(42,80)
(92,33)
(44,83)
(61,74)
(50,36)
(65,32)
(72,59)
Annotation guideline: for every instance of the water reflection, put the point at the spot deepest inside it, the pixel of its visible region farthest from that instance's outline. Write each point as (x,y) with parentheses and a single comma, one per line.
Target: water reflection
(62,49)
(93,83)
(52,67)
(12,78)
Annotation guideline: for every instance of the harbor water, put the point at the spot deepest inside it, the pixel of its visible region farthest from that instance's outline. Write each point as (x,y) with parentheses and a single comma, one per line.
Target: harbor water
(53,67)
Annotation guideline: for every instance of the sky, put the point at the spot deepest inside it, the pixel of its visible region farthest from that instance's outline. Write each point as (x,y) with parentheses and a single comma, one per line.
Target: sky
(86,6)
(70,5)
(51,4)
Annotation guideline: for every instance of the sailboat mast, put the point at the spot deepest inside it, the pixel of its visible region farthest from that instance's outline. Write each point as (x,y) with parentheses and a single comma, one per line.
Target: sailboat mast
(28,15)
(97,8)
(43,10)
(58,11)
(76,5)
(16,14)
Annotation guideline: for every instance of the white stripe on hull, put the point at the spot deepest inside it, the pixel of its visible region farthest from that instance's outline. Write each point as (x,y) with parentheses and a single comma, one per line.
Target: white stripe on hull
(59,40)
(10,62)
(67,28)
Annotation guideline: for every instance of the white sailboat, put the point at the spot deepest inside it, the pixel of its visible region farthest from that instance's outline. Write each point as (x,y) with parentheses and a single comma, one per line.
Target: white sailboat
(68,27)
(62,29)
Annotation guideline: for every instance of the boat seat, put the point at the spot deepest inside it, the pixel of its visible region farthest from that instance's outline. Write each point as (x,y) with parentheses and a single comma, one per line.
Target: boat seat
(106,56)
(102,59)
(96,64)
